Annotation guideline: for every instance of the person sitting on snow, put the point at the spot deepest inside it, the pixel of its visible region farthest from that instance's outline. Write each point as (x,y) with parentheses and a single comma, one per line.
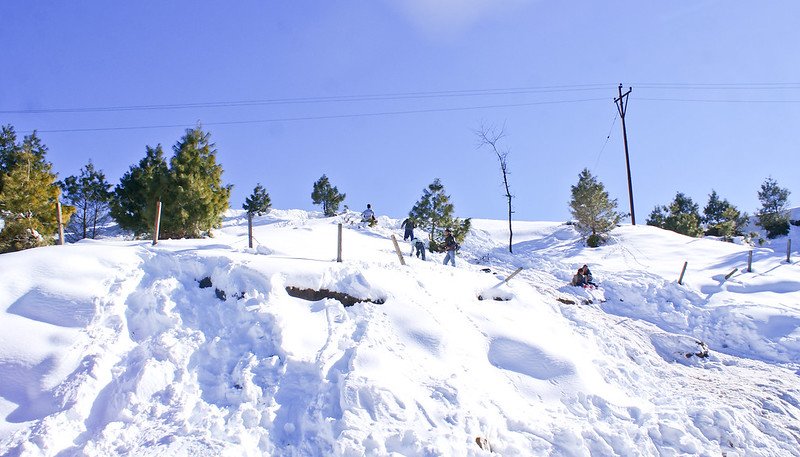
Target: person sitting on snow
(579,280)
(587,276)
(368,216)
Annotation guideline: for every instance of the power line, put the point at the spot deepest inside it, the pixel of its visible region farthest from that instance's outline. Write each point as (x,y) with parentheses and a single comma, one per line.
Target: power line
(710,100)
(328,99)
(333,116)
(608,137)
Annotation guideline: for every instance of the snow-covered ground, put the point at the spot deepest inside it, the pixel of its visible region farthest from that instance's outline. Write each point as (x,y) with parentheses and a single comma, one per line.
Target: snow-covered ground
(112,347)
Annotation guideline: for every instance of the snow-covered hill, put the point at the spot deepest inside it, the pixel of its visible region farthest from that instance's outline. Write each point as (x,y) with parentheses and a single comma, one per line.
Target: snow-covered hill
(195,348)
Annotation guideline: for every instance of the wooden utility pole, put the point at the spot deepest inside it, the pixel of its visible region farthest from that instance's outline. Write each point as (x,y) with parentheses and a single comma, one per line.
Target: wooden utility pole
(622,108)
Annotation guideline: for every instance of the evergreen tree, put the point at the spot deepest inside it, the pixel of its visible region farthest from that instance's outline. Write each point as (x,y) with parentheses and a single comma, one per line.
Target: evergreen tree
(29,194)
(773,215)
(258,202)
(681,216)
(722,218)
(90,194)
(195,198)
(326,195)
(133,204)
(434,213)
(590,206)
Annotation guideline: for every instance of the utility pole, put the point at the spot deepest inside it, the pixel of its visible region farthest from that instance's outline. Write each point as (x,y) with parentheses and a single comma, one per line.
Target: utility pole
(622,106)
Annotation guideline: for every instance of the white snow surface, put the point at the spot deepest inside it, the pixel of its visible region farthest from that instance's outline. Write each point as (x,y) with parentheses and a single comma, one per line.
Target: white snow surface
(111,347)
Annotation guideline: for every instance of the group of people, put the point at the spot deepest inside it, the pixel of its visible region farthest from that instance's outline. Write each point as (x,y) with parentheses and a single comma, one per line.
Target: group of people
(418,244)
(583,277)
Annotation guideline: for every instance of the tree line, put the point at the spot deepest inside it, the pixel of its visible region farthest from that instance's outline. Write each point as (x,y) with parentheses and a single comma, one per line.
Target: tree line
(193,198)
(188,185)
(596,214)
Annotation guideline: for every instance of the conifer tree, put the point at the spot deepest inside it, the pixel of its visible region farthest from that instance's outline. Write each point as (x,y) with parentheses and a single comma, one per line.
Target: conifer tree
(681,216)
(721,218)
(133,205)
(258,202)
(29,194)
(773,215)
(90,194)
(195,198)
(596,215)
(326,195)
(434,213)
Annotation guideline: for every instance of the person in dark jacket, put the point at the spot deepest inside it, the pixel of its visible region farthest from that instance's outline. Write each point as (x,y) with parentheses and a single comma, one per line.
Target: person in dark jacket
(449,246)
(587,276)
(419,245)
(409,226)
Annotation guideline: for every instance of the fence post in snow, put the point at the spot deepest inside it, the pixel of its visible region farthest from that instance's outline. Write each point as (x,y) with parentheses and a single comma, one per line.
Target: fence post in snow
(339,245)
(397,250)
(60,224)
(158,223)
(680,280)
(789,251)
(250,230)
(750,262)
(727,276)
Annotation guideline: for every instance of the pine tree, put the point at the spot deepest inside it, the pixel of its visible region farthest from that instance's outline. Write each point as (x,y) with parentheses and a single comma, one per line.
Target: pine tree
(258,202)
(90,194)
(195,198)
(326,195)
(434,213)
(29,195)
(133,205)
(590,206)
(722,218)
(681,216)
(773,215)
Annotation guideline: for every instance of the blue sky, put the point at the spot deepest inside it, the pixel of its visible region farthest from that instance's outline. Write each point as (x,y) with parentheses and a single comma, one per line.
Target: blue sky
(383,96)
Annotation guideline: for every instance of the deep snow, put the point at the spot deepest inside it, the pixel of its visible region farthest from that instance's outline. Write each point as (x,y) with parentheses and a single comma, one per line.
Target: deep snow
(111,347)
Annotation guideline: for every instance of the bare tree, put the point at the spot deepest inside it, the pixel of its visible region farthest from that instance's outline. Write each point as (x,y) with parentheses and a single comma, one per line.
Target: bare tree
(490,136)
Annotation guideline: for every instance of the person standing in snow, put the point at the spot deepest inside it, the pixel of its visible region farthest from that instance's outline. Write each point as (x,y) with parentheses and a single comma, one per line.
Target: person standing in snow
(419,245)
(409,226)
(449,246)
(368,216)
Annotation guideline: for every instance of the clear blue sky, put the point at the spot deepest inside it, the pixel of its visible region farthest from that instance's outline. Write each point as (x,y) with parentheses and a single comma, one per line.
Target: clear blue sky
(726,124)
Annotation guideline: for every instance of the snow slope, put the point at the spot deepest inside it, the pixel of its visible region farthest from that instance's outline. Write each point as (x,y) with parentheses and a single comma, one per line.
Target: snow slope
(113,347)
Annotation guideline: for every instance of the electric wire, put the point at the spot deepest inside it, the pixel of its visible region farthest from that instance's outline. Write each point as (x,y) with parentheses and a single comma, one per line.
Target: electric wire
(608,137)
(332,116)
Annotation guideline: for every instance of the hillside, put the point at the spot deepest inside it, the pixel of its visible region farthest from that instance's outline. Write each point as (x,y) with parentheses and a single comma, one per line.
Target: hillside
(195,348)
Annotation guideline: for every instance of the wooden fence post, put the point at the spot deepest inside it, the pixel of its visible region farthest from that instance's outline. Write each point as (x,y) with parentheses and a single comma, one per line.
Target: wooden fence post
(789,251)
(680,280)
(339,245)
(510,276)
(727,276)
(158,223)
(750,262)
(250,230)
(60,224)
(397,249)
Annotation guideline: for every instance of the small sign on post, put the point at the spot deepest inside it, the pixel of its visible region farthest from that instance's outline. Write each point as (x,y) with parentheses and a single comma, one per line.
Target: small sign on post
(158,223)
(339,245)
(680,280)
(397,249)
(60,224)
